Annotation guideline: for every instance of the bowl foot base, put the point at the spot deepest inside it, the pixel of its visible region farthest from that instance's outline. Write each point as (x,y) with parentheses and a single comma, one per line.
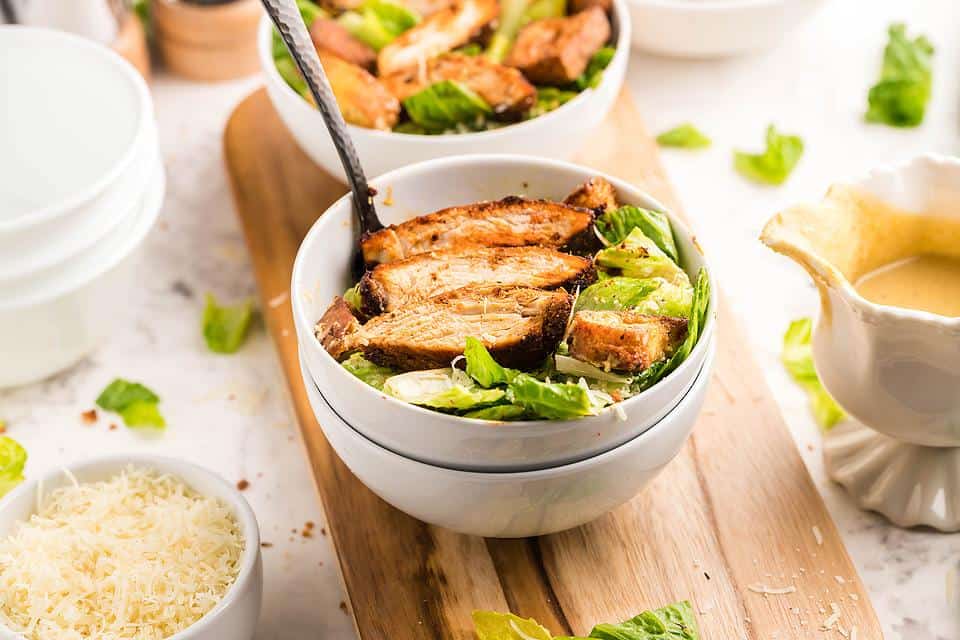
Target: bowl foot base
(911,485)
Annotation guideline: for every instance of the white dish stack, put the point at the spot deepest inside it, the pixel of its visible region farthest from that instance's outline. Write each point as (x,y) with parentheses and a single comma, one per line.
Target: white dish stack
(81,185)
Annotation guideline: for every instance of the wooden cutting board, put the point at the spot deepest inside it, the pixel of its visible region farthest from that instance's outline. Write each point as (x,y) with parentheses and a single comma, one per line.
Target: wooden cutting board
(736,513)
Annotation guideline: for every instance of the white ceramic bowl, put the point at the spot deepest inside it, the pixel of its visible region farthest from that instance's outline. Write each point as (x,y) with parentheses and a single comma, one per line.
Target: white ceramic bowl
(235,617)
(51,322)
(321,272)
(558,134)
(714,28)
(79,143)
(512,505)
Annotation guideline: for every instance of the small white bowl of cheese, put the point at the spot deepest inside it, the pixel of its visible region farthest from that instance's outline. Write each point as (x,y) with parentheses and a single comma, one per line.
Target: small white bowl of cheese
(172,552)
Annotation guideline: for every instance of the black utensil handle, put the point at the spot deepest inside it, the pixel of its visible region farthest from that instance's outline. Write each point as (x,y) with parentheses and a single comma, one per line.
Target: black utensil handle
(286,16)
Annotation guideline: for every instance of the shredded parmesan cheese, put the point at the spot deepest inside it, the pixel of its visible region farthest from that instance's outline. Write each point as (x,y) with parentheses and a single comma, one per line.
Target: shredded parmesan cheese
(140,556)
(817,535)
(771,591)
(833,619)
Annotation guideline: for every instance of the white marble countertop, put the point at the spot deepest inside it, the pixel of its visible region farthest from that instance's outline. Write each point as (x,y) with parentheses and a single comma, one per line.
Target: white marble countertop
(231,413)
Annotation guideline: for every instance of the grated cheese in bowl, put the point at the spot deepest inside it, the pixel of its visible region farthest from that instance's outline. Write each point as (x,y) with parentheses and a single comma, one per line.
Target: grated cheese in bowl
(140,555)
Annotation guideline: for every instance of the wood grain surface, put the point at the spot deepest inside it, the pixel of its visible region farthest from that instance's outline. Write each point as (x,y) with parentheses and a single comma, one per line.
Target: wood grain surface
(733,515)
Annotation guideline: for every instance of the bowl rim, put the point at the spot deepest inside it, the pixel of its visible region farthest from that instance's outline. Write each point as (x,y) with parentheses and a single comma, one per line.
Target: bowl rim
(621,54)
(702,378)
(242,510)
(143,125)
(713,6)
(316,231)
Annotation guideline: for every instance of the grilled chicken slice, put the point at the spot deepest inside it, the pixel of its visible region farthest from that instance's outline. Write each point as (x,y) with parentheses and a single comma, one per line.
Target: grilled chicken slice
(329,35)
(394,285)
(595,193)
(444,31)
(556,50)
(363,100)
(624,340)
(519,326)
(510,222)
(504,88)
(338,329)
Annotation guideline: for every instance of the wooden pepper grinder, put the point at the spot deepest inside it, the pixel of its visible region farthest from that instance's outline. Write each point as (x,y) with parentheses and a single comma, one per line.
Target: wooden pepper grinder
(207,40)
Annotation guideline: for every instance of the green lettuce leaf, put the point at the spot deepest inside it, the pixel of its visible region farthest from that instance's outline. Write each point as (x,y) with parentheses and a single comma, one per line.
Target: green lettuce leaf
(797,357)
(774,165)
(135,403)
(550,98)
(508,26)
(377,23)
(491,625)
(616,224)
(310,11)
(673,622)
(696,320)
(13,458)
(551,400)
(684,136)
(540,9)
(445,105)
(499,413)
(225,328)
(591,77)
(373,374)
(483,368)
(654,296)
(471,49)
(440,389)
(901,95)
(637,256)
(352,297)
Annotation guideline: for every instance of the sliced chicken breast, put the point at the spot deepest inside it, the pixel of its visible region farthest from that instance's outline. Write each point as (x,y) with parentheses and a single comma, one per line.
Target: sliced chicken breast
(595,193)
(624,340)
(510,222)
(328,35)
(555,51)
(505,89)
(443,31)
(363,100)
(519,326)
(394,285)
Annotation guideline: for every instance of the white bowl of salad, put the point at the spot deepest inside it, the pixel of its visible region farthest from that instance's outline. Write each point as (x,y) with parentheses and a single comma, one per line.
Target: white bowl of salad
(543,314)
(424,79)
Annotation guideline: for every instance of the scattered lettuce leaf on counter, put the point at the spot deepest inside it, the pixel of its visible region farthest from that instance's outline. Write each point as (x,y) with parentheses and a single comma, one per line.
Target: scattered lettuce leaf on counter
(900,97)
(654,296)
(373,374)
(673,622)
(616,224)
(637,256)
(797,357)
(377,23)
(13,458)
(225,327)
(445,105)
(684,136)
(135,403)
(548,99)
(441,389)
(593,74)
(775,164)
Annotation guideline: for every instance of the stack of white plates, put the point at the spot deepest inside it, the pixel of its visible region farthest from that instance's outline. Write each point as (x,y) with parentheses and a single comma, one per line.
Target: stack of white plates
(81,184)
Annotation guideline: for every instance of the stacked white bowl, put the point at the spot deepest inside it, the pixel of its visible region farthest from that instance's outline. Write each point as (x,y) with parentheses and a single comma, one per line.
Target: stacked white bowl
(474,476)
(81,184)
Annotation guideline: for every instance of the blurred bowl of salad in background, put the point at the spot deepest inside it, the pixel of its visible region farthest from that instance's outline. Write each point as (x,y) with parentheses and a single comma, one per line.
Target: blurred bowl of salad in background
(422,79)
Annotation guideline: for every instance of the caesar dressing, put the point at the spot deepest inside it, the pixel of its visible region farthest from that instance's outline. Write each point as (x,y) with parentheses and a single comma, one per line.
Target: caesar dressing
(924,282)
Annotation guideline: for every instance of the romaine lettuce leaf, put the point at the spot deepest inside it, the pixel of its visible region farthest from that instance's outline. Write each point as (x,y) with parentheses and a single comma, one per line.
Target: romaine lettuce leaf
(900,97)
(440,389)
(593,74)
(540,9)
(352,297)
(470,49)
(616,224)
(570,366)
(500,413)
(143,414)
(550,98)
(135,403)
(684,136)
(377,23)
(774,165)
(445,105)
(797,357)
(696,320)
(373,374)
(225,327)
(508,26)
(655,296)
(491,625)
(551,400)
(673,622)
(483,368)
(637,256)
(13,458)
(309,11)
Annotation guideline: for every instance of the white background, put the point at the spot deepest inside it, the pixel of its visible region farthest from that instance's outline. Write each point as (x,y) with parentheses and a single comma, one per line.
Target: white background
(231,413)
